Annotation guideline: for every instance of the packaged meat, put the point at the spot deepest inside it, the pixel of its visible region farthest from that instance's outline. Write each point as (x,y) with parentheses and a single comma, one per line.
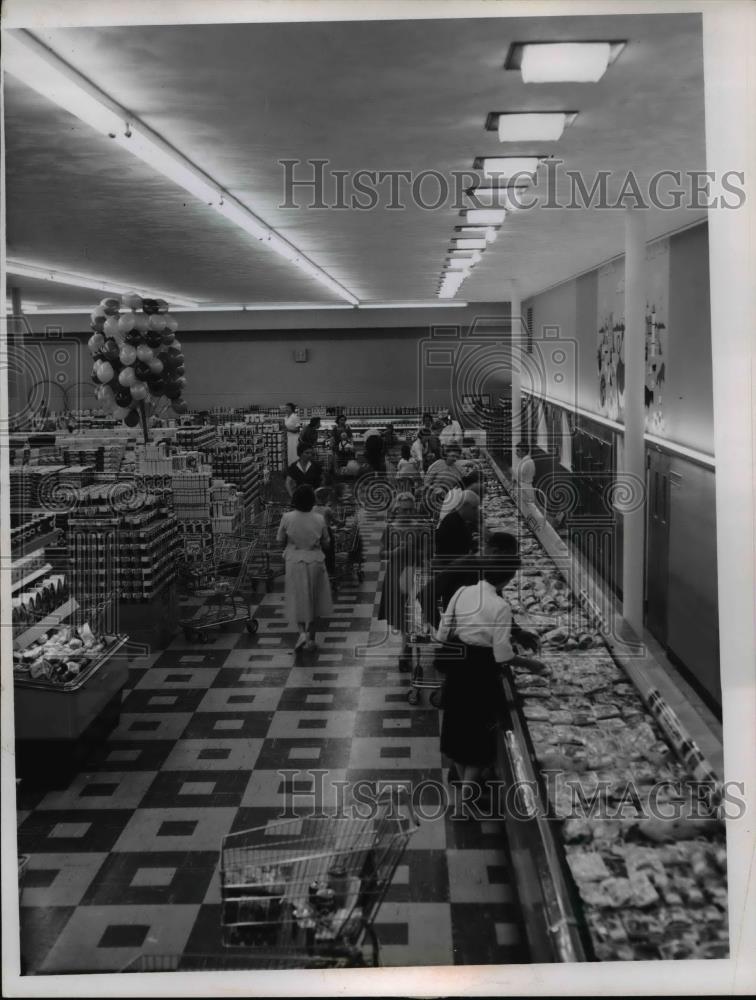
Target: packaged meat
(587,866)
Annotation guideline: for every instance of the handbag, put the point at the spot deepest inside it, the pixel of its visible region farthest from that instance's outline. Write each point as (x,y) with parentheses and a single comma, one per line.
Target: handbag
(441,660)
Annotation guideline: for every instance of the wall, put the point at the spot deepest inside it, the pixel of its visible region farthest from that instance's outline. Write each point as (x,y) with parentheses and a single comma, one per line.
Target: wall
(573,308)
(234,359)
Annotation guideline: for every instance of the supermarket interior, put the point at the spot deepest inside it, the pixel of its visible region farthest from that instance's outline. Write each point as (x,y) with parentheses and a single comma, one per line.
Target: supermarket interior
(362,565)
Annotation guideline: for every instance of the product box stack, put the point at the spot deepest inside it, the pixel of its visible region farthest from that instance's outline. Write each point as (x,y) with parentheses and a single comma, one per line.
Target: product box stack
(195,437)
(274,448)
(233,465)
(116,550)
(226,508)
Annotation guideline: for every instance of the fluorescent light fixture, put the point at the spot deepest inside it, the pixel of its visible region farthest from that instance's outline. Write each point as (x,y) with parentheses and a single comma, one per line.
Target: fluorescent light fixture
(462,243)
(510,197)
(562,62)
(25,269)
(505,167)
(530,126)
(484,216)
(407,305)
(39,68)
(265,307)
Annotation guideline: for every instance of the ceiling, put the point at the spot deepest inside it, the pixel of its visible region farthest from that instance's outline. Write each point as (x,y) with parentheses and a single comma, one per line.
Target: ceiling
(379,95)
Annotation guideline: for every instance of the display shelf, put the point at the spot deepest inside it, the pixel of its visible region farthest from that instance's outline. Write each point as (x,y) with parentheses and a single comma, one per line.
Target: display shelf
(54,619)
(553,923)
(31,577)
(33,544)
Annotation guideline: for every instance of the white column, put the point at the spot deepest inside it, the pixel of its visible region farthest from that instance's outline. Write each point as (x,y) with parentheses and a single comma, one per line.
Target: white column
(516,347)
(633,540)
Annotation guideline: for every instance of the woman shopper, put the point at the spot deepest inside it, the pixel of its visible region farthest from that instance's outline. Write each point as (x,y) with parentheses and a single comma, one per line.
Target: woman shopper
(406,547)
(303,472)
(478,621)
(455,535)
(304,535)
(293,426)
(309,434)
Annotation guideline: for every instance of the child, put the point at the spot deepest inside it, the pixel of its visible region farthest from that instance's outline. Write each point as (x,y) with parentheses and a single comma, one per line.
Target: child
(344,449)
(322,498)
(406,467)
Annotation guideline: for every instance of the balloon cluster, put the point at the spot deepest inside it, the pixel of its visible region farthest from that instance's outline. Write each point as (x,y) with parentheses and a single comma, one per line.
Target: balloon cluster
(137,358)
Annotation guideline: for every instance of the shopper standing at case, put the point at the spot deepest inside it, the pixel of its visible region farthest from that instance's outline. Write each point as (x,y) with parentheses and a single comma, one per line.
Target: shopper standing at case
(419,449)
(524,473)
(304,535)
(479,621)
(445,472)
(451,433)
(293,426)
(303,472)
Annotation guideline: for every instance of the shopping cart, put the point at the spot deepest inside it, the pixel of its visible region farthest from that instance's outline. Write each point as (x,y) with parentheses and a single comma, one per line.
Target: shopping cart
(421,644)
(347,543)
(267,559)
(309,889)
(227,594)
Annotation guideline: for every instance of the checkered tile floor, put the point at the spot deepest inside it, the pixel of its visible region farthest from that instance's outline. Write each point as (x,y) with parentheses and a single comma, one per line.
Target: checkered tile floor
(124,861)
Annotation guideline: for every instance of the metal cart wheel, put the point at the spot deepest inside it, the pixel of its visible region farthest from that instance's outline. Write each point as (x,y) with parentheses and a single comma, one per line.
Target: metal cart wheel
(435,699)
(413,696)
(252,626)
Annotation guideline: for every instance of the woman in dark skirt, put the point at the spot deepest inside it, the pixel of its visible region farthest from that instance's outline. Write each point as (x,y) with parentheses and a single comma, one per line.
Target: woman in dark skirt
(303,472)
(477,625)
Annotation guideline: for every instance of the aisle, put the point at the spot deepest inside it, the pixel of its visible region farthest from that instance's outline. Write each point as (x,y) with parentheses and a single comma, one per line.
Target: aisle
(124,861)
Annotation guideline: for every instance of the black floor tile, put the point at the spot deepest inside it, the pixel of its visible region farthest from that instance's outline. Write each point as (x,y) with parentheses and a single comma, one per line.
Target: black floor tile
(393,722)
(228,726)
(38,834)
(252,676)
(163,701)
(294,699)
(474,934)
(129,755)
(169,789)
(112,885)
(275,753)
(196,658)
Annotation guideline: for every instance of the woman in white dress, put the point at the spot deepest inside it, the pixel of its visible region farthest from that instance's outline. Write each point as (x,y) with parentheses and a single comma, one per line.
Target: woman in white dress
(293,425)
(304,534)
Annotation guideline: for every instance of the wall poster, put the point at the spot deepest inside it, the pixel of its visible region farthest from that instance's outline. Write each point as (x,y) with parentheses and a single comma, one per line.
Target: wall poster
(610,344)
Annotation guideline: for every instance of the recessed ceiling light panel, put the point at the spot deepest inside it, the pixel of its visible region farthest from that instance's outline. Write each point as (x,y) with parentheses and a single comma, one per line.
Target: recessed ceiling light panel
(562,62)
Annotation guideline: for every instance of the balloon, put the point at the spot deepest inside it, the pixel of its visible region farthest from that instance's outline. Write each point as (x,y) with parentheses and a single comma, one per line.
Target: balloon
(110,350)
(172,391)
(157,323)
(175,346)
(157,388)
(98,314)
(133,337)
(171,323)
(122,397)
(131,301)
(156,366)
(149,306)
(105,371)
(138,390)
(128,354)
(95,374)
(145,353)
(131,419)
(168,336)
(163,306)
(179,369)
(107,394)
(126,322)
(181,383)
(142,371)
(121,412)
(95,342)
(111,306)
(179,406)
(127,377)
(141,322)
(111,326)
(154,339)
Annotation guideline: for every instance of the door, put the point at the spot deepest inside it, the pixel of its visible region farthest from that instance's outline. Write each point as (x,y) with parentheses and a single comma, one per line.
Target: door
(657,544)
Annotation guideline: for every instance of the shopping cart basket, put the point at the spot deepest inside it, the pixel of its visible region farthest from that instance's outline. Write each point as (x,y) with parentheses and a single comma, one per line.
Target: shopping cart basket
(348,547)
(267,559)
(420,641)
(310,889)
(227,594)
